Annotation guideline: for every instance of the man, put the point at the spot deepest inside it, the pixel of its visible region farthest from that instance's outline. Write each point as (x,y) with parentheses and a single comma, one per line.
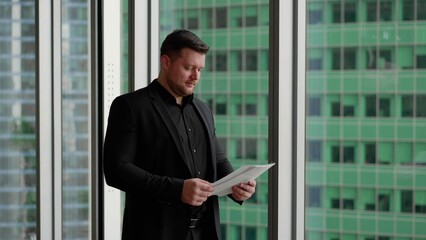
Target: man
(161,149)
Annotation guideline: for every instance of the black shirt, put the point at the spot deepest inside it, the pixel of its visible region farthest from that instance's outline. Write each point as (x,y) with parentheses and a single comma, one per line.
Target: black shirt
(192,132)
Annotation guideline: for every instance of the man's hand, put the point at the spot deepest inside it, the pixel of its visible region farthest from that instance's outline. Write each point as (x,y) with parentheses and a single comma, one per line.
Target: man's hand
(243,191)
(196,191)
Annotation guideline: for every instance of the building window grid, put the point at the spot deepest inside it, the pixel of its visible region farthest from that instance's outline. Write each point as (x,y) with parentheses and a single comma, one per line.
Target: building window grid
(387,103)
(233,16)
(343,12)
(375,58)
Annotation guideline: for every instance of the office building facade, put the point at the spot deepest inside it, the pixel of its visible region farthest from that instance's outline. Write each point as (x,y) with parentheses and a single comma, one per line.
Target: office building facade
(366,120)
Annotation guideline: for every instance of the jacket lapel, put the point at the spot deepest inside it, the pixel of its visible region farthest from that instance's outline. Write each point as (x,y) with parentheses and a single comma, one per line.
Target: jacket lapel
(209,126)
(161,109)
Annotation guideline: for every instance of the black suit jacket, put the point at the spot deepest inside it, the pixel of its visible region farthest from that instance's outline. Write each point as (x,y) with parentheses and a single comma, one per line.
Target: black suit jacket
(144,157)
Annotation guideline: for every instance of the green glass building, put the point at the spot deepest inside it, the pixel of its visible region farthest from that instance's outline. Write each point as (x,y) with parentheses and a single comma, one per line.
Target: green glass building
(366,120)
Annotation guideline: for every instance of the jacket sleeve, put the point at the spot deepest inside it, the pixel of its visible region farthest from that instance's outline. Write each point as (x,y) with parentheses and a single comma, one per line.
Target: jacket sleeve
(120,152)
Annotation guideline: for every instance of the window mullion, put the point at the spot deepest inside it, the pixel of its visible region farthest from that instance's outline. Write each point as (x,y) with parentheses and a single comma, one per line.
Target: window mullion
(44,120)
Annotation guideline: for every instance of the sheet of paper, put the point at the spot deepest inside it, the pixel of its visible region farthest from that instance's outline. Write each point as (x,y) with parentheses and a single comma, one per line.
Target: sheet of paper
(243,174)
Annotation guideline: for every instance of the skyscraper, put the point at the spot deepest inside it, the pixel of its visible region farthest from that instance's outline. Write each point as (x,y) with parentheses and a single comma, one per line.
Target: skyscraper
(17,122)
(366,119)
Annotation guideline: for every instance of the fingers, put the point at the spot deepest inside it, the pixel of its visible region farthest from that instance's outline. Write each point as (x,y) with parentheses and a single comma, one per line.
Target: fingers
(196,191)
(244,191)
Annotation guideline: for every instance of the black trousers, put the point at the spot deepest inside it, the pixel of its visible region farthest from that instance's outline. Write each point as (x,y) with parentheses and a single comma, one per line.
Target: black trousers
(203,228)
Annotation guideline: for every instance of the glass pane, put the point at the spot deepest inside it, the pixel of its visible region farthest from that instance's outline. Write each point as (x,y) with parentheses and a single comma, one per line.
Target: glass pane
(366,120)
(18,148)
(235,85)
(76,140)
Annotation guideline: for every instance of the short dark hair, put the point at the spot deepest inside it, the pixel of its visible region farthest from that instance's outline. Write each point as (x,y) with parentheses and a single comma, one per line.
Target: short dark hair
(179,39)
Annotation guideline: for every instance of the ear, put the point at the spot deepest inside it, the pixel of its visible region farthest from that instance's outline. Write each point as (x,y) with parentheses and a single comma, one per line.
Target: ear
(165,62)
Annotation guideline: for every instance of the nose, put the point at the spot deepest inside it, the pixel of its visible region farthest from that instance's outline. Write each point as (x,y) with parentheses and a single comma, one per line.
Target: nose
(195,74)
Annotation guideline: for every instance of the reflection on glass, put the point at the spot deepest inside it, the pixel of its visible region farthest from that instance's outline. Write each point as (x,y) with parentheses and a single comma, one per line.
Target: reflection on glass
(76,119)
(234,83)
(366,120)
(18,163)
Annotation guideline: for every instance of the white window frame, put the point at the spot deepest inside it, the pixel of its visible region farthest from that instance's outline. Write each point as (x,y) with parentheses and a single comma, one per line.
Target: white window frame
(287,119)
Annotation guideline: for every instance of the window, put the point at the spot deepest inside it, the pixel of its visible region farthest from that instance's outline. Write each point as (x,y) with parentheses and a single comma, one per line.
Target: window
(413,105)
(348,154)
(372,11)
(348,204)
(380,59)
(385,152)
(314,196)
(314,150)
(385,11)
(335,154)
(382,108)
(315,64)
(315,59)
(224,231)
(335,109)
(384,202)
(408,10)
(349,59)
(237,56)
(370,106)
(251,19)
(251,109)
(421,61)
(6,11)
(348,110)
(251,233)
(344,12)
(407,107)
(343,154)
(407,201)
(221,61)
(315,13)
(251,148)
(251,60)
(192,23)
(421,10)
(343,58)
(420,204)
(28,29)
(370,153)
(314,106)
(221,17)
(335,203)
(420,106)
(336,56)
(379,11)
(337,12)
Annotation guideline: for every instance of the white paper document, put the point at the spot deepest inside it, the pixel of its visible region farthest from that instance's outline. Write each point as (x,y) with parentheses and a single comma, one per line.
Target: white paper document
(243,174)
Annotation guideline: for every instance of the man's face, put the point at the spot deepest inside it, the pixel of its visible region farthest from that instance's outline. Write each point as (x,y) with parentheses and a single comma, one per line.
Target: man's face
(182,71)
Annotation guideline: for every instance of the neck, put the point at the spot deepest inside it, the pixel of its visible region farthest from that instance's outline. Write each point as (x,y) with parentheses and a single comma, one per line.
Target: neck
(165,86)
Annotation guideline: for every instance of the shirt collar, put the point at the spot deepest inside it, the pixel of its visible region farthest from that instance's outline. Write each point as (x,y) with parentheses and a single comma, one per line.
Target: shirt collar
(169,98)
